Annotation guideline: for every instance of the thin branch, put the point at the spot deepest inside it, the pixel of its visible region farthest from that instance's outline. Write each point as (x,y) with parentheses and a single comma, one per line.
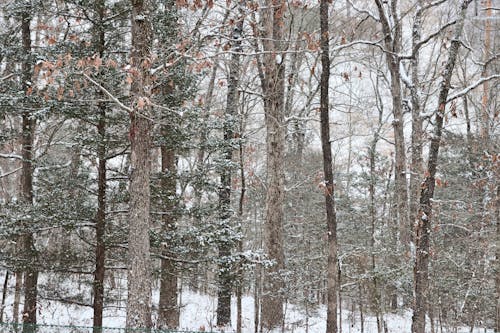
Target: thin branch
(110,95)
(471,87)
(14,156)
(10,172)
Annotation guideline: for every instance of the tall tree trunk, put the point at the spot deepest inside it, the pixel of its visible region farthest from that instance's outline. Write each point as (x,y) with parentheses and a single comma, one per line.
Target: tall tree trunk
(225,245)
(28,242)
(100,254)
(331,218)
(139,270)
(423,228)
(168,313)
(392,43)
(239,287)
(273,87)
(416,166)
(376,299)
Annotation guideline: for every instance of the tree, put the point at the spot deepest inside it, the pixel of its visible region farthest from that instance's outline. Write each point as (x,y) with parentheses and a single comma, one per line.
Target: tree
(28,127)
(139,270)
(423,229)
(226,268)
(272,77)
(329,185)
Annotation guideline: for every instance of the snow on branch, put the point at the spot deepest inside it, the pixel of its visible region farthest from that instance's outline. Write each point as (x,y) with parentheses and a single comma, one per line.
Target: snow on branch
(14,156)
(7,77)
(10,172)
(363,11)
(471,87)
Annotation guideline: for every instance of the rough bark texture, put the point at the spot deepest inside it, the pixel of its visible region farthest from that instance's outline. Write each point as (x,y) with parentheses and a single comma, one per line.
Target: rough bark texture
(423,227)
(392,43)
(98,284)
(139,270)
(273,87)
(416,166)
(168,312)
(331,218)
(230,122)
(27,140)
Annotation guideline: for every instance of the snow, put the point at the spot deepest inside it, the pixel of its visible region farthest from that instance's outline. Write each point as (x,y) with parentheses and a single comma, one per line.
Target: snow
(198,312)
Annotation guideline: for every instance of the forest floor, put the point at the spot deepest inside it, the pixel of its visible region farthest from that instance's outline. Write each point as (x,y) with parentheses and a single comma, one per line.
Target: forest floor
(198,313)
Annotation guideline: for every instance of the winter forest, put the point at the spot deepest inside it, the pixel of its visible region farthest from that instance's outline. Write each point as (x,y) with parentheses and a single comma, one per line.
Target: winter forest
(302,166)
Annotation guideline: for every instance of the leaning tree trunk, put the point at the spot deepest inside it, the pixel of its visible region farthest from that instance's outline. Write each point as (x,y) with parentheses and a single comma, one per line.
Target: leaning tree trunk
(139,270)
(273,87)
(331,218)
(226,244)
(27,140)
(423,229)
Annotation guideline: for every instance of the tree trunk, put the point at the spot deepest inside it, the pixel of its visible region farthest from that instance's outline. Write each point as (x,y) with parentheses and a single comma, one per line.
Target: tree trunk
(225,247)
(273,87)
(329,189)
(416,166)
(392,42)
(423,229)
(100,254)
(168,313)
(139,270)
(28,242)
(4,295)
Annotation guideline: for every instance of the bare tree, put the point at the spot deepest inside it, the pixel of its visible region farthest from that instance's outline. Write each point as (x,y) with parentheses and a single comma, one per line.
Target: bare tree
(331,218)
(272,75)
(27,140)
(423,229)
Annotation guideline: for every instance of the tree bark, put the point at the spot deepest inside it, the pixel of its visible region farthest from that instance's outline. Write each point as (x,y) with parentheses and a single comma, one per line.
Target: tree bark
(28,242)
(423,228)
(139,270)
(329,189)
(168,315)
(273,88)
(225,266)
(100,251)
(392,43)
(416,166)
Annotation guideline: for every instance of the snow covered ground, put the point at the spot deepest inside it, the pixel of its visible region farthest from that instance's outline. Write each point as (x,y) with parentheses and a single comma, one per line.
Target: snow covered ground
(198,313)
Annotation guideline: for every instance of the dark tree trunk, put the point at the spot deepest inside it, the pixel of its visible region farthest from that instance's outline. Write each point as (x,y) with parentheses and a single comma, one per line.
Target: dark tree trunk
(329,189)
(28,242)
(139,270)
(225,247)
(423,228)
(100,254)
(168,315)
